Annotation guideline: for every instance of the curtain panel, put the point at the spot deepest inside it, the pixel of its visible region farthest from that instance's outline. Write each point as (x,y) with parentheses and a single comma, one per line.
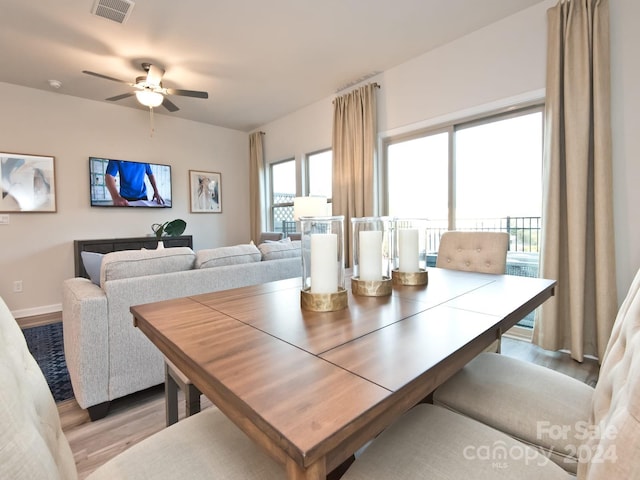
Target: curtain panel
(257,198)
(354,157)
(578,232)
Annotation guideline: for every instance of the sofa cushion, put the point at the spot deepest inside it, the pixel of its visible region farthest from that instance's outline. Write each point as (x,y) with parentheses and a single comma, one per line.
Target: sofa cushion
(139,263)
(218,257)
(278,250)
(92,262)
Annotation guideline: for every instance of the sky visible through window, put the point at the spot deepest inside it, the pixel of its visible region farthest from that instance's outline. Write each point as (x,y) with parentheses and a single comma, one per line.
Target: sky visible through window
(498,169)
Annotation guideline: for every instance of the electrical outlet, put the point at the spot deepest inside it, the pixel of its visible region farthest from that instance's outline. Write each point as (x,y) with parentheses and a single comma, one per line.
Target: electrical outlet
(17,286)
(4,219)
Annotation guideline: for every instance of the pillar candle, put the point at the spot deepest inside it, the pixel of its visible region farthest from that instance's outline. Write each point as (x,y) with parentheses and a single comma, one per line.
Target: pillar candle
(408,250)
(324,263)
(370,255)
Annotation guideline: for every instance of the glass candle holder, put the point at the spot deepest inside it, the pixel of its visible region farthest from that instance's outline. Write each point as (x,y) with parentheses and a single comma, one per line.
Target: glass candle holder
(372,251)
(410,251)
(323,263)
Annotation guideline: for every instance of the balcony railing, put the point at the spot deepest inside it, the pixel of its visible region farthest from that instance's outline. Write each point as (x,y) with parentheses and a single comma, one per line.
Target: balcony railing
(524,234)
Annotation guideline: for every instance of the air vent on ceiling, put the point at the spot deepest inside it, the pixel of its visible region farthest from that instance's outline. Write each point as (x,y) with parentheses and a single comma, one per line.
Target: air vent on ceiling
(116,10)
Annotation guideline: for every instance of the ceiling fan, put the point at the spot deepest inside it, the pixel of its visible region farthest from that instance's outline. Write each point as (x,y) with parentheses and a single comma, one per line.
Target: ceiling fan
(149,90)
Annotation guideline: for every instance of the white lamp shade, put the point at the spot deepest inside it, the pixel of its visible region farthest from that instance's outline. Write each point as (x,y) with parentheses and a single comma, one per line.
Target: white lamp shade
(149,98)
(309,207)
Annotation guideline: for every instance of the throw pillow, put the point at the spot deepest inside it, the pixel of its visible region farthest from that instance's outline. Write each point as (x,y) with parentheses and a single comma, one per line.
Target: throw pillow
(219,257)
(283,240)
(92,262)
(278,250)
(264,236)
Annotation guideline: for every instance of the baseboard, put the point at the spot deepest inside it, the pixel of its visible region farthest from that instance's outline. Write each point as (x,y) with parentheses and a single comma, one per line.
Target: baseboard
(32,312)
(519,333)
(33,317)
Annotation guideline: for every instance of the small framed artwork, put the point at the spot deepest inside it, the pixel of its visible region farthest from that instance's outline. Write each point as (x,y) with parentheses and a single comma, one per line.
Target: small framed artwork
(206,192)
(27,183)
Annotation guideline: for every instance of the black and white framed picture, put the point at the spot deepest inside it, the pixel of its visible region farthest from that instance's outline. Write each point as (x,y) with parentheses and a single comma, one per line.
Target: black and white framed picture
(27,183)
(206,192)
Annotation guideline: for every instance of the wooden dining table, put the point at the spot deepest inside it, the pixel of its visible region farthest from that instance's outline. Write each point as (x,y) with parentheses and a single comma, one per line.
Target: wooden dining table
(314,387)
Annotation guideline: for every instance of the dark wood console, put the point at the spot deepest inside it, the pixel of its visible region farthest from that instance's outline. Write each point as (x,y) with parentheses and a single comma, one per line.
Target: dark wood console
(106,245)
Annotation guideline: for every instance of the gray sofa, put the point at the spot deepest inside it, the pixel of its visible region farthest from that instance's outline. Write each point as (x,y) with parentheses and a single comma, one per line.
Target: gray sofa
(106,355)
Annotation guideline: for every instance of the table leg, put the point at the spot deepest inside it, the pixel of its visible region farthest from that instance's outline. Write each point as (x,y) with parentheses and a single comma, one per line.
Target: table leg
(315,471)
(171,398)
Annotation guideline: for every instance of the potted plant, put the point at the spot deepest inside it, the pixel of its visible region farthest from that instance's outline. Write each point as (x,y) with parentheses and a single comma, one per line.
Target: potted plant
(173,228)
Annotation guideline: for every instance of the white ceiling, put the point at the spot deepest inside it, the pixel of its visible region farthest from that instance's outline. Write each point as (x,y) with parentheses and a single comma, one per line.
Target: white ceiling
(258,59)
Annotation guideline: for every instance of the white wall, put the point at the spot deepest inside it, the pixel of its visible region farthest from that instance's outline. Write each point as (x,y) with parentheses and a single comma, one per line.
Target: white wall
(489,68)
(37,248)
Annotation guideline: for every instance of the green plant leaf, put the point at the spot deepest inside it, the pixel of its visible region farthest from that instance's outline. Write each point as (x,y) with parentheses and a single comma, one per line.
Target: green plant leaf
(175,227)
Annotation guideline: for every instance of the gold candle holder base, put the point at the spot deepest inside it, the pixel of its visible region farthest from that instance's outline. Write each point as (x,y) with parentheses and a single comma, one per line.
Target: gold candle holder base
(371,288)
(323,302)
(410,278)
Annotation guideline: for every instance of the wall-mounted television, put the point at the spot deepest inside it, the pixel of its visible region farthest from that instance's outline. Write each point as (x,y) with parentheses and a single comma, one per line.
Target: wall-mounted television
(125,183)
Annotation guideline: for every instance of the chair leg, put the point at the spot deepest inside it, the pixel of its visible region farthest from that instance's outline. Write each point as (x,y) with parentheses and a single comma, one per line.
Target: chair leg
(191,399)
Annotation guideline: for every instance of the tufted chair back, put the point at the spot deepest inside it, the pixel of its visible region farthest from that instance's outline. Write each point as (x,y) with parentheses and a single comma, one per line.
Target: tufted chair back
(32,444)
(613,443)
(484,252)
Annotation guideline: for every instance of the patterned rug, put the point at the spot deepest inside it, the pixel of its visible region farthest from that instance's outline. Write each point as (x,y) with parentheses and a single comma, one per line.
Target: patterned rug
(47,347)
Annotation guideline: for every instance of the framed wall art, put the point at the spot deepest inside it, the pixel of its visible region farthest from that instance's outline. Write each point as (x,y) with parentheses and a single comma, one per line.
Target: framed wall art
(206,191)
(27,183)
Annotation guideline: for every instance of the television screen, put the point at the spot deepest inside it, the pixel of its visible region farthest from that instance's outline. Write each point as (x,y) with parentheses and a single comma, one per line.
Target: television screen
(123,183)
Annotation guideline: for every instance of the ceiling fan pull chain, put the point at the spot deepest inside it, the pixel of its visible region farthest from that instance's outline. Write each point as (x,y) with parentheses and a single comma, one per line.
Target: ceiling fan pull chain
(151,121)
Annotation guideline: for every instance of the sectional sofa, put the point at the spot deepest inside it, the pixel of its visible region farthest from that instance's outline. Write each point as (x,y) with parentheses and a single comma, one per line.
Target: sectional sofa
(106,355)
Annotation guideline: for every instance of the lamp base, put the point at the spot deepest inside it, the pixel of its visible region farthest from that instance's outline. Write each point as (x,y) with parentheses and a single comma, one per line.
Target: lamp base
(371,288)
(410,278)
(323,302)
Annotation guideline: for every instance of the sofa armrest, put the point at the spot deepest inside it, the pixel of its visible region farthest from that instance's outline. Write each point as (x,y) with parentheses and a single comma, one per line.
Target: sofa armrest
(85,328)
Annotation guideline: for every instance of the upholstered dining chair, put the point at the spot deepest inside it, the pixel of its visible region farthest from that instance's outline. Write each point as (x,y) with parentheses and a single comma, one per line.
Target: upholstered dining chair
(529,422)
(33,446)
(484,252)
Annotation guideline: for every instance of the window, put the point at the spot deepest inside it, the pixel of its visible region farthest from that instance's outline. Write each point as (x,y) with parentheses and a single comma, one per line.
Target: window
(484,174)
(283,191)
(319,171)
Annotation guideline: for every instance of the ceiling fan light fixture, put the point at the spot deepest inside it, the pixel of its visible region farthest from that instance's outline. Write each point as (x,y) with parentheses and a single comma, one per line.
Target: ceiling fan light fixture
(149,98)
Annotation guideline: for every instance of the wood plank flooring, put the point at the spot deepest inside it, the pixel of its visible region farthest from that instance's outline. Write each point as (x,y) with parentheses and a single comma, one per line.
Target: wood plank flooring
(140,415)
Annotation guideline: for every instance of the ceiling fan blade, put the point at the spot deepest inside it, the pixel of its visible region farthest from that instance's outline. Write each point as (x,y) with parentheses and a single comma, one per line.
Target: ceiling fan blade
(187,93)
(154,75)
(99,75)
(169,105)
(119,97)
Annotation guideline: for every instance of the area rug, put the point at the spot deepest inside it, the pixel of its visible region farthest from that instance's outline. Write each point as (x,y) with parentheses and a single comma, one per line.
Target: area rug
(47,347)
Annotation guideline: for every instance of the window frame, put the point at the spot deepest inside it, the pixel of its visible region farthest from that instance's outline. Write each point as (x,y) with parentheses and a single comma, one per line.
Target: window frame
(272,204)
(307,169)
(450,127)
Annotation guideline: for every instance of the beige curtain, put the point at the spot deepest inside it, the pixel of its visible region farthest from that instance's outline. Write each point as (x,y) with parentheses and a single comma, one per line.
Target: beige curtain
(354,157)
(257,199)
(578,234)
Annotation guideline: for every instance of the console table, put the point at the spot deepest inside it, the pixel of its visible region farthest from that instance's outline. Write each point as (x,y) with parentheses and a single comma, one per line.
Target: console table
(106,245)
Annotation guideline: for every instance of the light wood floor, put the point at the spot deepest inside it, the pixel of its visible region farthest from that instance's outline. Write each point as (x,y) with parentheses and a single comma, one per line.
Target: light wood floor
(137,416)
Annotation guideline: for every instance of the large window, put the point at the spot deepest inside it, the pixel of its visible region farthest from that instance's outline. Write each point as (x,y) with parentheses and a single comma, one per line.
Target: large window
(318,167)
(283,191)
(319,171)
(484,174)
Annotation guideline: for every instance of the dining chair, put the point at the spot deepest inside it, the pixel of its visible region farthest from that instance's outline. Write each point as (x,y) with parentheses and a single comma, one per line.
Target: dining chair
(528,422)
(484,252)
(33,446)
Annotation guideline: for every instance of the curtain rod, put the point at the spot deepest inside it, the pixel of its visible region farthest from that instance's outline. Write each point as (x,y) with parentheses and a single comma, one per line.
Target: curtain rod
(375,84)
